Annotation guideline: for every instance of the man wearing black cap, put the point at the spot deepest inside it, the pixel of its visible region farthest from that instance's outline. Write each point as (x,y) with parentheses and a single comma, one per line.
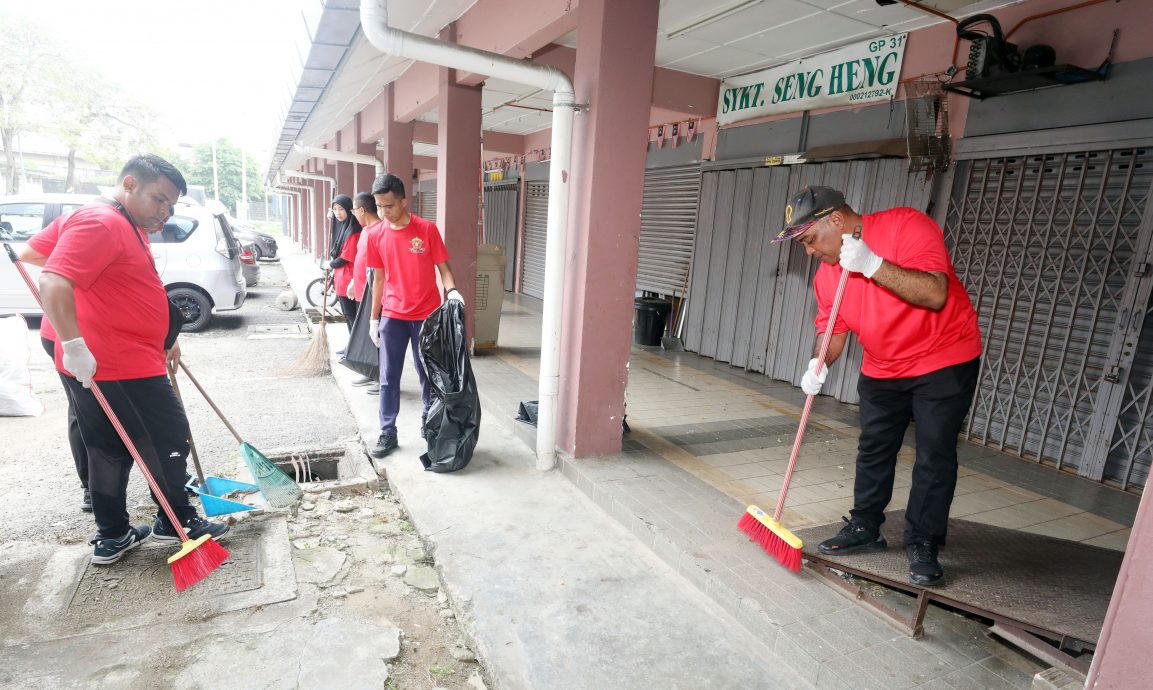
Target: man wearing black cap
(921,360)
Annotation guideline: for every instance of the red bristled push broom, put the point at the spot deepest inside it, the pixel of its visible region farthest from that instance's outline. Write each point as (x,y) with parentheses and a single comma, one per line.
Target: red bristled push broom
(197,558)
(767,531)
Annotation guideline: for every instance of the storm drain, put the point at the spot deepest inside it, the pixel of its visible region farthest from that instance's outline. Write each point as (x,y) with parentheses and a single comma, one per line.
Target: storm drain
(143,579)
(313,315)
(326,465)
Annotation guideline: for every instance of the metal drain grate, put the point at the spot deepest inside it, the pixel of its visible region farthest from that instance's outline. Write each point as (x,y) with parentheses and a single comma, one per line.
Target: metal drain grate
(311,466)
(270,331)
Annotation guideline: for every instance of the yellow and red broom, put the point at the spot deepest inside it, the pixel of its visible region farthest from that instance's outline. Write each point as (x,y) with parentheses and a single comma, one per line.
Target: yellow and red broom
(767,531)
(197,558)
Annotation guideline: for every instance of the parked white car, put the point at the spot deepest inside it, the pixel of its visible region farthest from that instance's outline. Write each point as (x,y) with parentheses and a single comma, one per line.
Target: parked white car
(196,254)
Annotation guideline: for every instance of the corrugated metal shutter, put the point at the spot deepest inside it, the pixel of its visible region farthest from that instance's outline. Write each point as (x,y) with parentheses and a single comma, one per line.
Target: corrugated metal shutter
(751,299)
(668,219)
(428,204)
(500,210)
(535,227)
(1054,250)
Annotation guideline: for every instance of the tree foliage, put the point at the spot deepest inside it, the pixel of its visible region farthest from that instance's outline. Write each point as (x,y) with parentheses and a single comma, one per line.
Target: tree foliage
(198,170)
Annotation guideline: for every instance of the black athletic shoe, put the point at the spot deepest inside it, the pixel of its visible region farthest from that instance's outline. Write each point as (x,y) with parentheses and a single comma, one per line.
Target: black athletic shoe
(195,528)
(854,537)
(108,551)
(86,501)
(924,568)
(384,445)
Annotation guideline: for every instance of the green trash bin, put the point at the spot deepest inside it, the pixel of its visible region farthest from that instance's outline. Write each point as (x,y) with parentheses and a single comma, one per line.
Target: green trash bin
(649,320)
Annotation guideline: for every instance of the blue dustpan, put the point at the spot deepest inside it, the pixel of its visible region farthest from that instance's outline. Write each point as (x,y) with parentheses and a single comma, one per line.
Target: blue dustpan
(211,494)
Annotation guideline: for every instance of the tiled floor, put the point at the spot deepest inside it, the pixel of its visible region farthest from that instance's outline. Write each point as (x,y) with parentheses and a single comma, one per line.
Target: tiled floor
(707,439)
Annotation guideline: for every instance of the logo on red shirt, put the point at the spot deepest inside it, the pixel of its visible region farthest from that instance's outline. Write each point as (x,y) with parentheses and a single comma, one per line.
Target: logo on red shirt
(416,246)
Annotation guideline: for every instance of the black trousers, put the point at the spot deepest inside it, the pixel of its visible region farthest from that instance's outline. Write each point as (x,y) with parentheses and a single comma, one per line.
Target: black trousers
(348,307)
(937,402)
(155,421)
(75,441)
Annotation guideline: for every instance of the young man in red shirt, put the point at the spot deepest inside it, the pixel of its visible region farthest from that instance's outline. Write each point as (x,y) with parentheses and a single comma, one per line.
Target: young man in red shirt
(102,293)
(364,210)
(402,253)
(921,361)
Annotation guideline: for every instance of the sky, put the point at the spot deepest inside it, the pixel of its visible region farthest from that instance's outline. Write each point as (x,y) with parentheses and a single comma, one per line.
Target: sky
(209,68)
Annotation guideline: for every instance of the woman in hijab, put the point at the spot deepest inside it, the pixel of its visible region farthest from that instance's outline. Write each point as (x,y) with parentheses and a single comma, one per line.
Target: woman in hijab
(345,236)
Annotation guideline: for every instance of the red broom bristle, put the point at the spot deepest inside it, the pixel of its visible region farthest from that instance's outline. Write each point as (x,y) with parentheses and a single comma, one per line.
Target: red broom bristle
(785,554)
(197,564)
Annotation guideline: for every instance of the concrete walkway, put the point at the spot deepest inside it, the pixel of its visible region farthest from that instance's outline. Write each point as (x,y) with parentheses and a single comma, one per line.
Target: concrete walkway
(553,592)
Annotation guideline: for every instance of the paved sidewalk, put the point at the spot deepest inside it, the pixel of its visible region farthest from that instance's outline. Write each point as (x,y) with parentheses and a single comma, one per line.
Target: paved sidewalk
(553,592)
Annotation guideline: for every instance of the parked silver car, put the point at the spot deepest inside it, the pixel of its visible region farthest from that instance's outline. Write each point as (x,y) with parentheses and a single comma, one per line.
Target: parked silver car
(196,255)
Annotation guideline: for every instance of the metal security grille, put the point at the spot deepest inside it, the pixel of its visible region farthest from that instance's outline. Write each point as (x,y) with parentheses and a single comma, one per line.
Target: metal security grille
(500,211)
(428,204)
(535,227)
(1053,248)
(751,300)
(668,219)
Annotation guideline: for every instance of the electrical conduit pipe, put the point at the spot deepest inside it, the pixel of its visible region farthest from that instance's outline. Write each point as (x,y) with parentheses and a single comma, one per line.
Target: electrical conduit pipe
(331,155)
(374,23)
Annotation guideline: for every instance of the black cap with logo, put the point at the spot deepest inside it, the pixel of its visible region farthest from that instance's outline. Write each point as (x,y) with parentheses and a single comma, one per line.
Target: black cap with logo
(807,207)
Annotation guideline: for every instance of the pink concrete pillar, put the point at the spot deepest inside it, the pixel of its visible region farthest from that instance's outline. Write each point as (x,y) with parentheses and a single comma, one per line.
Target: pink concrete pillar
(1126,637)
(397,143)
(319,216)
(345,178)
(458,181)
(364,173)
(616,42)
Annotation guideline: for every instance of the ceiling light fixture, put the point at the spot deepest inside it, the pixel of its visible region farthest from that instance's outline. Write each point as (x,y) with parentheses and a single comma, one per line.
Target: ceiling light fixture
(714,16)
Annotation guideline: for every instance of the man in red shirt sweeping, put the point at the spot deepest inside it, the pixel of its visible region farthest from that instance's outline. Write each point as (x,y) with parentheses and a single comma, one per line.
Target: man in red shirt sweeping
(921,361)
(101,291)
(403,253)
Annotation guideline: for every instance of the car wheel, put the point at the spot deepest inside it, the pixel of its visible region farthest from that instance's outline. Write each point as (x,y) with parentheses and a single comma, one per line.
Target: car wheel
(195,307)
(257,253)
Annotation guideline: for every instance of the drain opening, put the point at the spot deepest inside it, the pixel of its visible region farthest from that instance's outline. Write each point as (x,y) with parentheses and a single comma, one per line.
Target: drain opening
(311,466)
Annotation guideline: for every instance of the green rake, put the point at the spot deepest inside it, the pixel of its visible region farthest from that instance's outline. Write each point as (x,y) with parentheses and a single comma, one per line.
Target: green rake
(277,487)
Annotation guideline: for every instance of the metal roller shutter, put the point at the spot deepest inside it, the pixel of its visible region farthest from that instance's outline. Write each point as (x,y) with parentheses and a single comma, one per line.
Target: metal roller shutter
(500,211)
(428,204)
(535,228)
(1054,249)
(668,218)
(751,299)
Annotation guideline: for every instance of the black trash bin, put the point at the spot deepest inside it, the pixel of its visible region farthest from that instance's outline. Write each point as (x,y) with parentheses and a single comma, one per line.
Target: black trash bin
(649,322)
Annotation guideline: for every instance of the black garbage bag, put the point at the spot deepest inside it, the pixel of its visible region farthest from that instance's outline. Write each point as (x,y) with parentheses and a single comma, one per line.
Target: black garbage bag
(526,412)
(453,424)
(362,355)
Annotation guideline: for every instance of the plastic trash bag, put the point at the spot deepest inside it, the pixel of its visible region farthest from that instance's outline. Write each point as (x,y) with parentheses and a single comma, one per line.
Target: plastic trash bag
(16,399)
(361,354)
(527,411)
(453,423)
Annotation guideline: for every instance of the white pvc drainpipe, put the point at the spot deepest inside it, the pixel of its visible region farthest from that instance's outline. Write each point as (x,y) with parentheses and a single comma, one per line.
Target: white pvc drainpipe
(300,174)
(311,204)
(374,23)
(329,154)
(297,203)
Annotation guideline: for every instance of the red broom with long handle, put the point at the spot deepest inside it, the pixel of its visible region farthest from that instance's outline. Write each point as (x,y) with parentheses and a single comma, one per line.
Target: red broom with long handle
(197,557)
(767,531)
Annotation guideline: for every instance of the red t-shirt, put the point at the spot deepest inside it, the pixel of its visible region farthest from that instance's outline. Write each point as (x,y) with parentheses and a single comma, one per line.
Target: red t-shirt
(409,257)
(43,242)
(360,265)
(343,274)
(899,339)
(121,305)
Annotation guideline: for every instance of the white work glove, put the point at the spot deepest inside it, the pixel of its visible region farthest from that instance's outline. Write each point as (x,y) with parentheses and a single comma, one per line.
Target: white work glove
(374,331)
(349,292)
(454,295)
(811,382)
(78,361)
(857,257)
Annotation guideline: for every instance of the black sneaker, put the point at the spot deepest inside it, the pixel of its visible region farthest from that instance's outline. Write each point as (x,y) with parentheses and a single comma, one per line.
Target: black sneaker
(109,551)
(854,537)
(86,501)
(362,381)
(195,528)
(384,445)
(924,568)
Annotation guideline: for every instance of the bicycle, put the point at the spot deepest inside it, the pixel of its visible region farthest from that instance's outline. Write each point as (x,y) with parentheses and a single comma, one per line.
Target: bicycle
(313,292)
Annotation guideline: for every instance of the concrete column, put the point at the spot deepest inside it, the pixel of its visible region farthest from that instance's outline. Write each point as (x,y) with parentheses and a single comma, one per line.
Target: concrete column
(397,142)
(364,173)
(319,227)
(616,42)
(345,178)
(458,179)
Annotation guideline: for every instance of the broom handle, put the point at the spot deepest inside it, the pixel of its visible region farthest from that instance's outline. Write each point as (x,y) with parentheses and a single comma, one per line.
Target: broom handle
(191,443)
(809,400)
(156,492)
(211,404)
